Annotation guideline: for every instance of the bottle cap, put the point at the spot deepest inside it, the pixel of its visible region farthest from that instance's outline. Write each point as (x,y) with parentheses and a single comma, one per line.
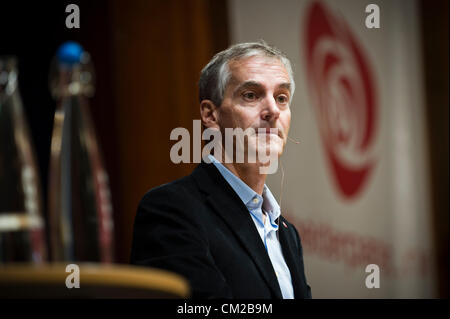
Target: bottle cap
(71,71)
(70,53)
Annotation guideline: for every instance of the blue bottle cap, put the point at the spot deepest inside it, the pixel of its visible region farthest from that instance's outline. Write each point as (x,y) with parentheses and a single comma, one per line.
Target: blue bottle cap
(70,53)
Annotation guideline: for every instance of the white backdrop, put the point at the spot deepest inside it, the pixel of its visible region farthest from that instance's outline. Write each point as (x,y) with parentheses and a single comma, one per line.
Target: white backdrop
(359,102)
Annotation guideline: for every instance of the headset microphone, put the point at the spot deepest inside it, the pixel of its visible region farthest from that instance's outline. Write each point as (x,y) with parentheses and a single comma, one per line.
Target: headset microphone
(282,182)
(292,140)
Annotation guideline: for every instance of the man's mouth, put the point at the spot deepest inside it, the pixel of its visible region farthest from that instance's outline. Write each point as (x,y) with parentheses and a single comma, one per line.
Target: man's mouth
(269,130)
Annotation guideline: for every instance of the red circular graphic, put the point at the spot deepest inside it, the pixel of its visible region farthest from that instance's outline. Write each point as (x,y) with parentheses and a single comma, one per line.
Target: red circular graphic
(342,87)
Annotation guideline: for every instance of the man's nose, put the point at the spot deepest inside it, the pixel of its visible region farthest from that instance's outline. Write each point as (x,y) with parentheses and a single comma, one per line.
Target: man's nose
(270,110)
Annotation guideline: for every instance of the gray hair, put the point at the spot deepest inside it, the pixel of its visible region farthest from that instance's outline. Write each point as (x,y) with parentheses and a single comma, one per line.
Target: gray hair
(215,75)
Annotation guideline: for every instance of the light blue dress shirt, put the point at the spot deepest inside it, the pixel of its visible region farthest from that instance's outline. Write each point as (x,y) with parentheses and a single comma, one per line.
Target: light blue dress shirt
(256,204)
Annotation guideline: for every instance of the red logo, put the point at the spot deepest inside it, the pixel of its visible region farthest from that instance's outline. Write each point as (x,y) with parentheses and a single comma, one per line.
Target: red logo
(343,92)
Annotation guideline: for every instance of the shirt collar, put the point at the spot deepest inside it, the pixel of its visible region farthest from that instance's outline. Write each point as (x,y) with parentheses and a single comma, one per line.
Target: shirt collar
(246,194)
(270,204)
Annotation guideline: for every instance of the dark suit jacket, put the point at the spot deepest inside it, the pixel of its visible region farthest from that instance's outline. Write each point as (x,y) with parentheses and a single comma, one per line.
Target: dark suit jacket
(198,227)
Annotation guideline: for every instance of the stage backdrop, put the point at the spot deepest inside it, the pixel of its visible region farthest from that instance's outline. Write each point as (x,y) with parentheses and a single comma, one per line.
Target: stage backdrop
(357,185)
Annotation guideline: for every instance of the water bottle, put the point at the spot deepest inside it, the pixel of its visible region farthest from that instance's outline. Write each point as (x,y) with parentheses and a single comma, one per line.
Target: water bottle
(22,227)
(80,210)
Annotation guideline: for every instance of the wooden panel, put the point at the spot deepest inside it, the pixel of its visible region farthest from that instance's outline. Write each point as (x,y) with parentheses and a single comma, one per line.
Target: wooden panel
(435,39)
(159,49)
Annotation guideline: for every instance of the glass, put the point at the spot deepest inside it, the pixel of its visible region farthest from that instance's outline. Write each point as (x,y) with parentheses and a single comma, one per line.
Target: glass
(22,227)
(80,208)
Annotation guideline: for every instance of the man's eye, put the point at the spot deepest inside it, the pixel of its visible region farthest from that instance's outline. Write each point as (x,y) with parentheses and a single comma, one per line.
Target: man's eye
(283,99)
(250,96)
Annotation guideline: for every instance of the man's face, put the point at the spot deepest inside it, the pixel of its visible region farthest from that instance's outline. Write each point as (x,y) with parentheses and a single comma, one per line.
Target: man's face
(258,96)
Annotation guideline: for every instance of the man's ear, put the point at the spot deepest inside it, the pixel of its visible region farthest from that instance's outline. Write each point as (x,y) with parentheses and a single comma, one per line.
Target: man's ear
(209,114)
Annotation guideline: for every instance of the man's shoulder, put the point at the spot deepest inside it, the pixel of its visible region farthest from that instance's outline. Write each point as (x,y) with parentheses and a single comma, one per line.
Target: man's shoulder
(179,200)
(178,188)
(181,190)
(202,176)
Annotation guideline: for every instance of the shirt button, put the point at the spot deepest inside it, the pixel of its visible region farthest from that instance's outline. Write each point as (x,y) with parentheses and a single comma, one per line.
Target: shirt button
(255,200)
(276,273)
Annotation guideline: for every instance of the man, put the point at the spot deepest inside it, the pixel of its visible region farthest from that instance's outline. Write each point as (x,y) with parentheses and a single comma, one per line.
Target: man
(221,227)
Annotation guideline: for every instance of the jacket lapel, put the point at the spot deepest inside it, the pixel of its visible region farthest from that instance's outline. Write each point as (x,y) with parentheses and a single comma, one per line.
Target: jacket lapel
(291,256)
(227,204)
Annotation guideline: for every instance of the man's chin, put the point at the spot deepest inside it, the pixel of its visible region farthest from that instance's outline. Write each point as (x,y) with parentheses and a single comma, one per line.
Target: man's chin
(275,151)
